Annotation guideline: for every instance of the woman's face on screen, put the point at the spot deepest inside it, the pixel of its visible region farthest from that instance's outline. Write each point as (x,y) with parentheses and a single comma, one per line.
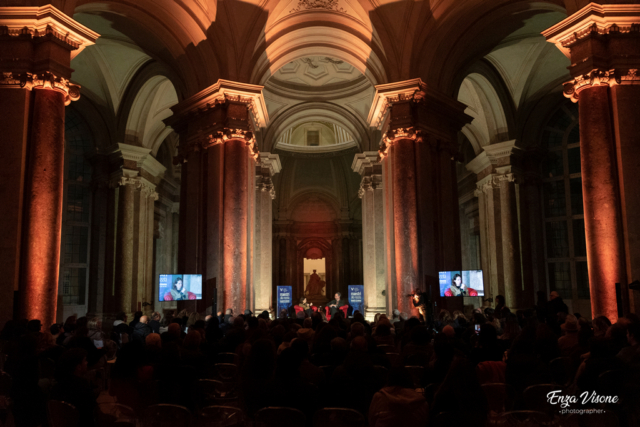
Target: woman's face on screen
(179,285)
(458,280)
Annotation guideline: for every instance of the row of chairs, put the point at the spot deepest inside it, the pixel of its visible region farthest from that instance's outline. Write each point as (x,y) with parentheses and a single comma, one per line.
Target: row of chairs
(63,414)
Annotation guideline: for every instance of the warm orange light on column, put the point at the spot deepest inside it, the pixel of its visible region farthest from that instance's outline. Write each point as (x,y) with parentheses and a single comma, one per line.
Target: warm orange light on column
(405,221)
(43,198)
(603,227)
(234,246)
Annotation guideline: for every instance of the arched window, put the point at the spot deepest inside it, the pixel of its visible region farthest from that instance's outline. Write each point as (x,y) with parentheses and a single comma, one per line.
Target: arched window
(76,212)
(565,243)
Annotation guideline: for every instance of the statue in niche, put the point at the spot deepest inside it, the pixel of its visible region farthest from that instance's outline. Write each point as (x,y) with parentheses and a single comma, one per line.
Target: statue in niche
(315,285)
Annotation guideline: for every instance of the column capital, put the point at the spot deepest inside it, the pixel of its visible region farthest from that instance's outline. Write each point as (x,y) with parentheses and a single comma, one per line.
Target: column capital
(24,67)
(265,184)
(493,180)
(224,111)
(139,183)
(411,109)
(602,43)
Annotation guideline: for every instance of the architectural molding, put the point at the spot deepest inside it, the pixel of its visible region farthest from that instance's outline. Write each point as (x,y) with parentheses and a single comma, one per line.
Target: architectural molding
(391,93)
(594,20)
(139,183)
(318,5)
(223,92)
(271,162)
(46,21)
(597,77)
(493,181)
(44,80)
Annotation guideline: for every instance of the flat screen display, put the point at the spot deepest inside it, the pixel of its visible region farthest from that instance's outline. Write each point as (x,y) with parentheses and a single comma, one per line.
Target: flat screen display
(180,287)
(461,283)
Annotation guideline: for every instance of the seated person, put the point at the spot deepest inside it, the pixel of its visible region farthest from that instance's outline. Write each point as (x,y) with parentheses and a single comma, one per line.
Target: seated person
(335,304)
(458,288)
(306,306)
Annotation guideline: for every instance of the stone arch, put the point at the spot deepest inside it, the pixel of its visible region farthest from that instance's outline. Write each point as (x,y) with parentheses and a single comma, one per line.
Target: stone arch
(150,106)
(327,111)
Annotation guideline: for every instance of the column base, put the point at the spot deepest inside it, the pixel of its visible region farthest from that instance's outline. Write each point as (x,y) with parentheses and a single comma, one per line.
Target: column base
(370,312)
(258,311)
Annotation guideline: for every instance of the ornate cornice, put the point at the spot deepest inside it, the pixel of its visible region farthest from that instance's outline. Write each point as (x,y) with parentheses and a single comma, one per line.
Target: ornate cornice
(45,80)
(572,88)
(365,163)
(269,162)
(594,20)
(223,92)
(46,21)
(388,94)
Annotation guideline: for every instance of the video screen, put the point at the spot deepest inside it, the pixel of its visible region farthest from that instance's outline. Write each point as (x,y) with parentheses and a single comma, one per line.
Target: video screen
(180,287)
(463,283)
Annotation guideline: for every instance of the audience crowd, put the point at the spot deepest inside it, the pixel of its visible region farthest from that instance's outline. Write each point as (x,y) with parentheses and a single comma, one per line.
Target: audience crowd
(398,370)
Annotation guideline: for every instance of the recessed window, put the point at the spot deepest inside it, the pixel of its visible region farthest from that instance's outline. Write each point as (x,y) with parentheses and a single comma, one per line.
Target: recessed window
(565,243)
(74,256)
(313,138)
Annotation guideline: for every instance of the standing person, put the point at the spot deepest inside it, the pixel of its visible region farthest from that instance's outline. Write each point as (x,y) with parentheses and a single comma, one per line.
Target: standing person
(136,319)
(500,306)
(421,302)
(336,303)
(554,306)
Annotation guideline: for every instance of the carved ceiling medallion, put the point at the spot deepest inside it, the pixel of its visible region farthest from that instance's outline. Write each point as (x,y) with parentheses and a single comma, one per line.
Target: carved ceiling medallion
(317,4)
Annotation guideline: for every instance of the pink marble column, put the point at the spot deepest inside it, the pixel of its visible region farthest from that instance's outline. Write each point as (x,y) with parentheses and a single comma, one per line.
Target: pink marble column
(603,226)
(405,221)
(234,249)
(43,224)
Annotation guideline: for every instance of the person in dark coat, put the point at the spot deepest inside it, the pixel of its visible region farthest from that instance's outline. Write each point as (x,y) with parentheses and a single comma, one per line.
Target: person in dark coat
(554,306)
(336,303)
(141,330)
(72,387)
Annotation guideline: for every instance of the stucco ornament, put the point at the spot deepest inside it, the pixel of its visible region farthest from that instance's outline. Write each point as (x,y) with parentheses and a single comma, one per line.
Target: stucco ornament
(317,4)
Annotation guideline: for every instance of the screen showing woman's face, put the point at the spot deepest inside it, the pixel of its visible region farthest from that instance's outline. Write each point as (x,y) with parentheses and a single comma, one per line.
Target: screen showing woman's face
(458,280)
(179,285)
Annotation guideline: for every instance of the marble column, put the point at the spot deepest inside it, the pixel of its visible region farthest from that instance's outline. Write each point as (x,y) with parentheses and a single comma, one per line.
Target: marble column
(410,114)
(218,152)
(371,193)
(267,166)
(605,60)
(499,174)
(166,208)
(99,227)
(133,183)
(35,54)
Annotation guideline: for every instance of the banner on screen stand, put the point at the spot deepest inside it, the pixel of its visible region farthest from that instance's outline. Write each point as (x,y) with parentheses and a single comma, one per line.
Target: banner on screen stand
(356,298)
(285,298)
